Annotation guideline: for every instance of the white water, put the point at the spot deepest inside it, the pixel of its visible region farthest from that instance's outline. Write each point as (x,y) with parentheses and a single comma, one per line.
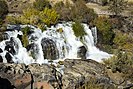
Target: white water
(67,44)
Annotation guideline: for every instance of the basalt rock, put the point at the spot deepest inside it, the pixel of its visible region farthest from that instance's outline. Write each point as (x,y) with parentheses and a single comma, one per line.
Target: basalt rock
(3,36)
(33,49)
(82,52)
(76,73)
(12,46)
(49,48)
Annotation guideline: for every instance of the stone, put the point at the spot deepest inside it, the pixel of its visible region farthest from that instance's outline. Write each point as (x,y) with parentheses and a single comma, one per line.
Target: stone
(49,48)
(82,52)
(1,59)
(42,85)
(8,57)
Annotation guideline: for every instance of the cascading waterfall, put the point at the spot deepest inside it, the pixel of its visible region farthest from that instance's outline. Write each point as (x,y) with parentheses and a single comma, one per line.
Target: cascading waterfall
(56,43)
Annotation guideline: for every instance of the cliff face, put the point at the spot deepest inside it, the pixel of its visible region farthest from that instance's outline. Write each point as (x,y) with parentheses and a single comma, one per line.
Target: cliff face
(75,74)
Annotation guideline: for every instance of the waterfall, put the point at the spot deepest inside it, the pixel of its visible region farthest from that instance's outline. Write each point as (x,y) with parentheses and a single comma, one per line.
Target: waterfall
(52,44)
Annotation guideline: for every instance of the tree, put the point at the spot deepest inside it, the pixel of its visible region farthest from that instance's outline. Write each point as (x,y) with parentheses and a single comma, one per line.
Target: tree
(117,6)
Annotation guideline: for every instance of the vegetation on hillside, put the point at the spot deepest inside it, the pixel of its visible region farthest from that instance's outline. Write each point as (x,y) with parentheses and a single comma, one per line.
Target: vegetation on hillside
(122,62)
(3,10)
(117,6)
(41,4)
(75,12)
(104,29)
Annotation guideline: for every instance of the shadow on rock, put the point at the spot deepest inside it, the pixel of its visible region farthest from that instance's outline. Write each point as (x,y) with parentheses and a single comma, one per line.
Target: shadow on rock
(5,84)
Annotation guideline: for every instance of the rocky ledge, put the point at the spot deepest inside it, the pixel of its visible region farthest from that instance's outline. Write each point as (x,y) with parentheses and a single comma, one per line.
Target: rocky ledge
(77,74)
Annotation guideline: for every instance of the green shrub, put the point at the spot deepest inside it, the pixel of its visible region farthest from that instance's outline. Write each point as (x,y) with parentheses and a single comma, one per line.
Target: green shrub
(30,16)
(104,30)
(41,4)
(34,17)
(120,62)
(49,16)
(123,41)
(26,30)
(78,29)
(25,40)
(120,39)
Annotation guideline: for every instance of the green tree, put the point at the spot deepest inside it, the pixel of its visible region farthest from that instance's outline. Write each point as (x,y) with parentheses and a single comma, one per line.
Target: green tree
(117,6)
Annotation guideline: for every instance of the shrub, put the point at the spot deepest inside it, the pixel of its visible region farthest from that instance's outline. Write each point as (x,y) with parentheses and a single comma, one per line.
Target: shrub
(41,4)
(25,40)
(12,20)
(120,62)
(49,16)
(104,30)
(78,29)
(123,41)
(30,16)
(37,18)
(80,12)
(120,39)
(63,10)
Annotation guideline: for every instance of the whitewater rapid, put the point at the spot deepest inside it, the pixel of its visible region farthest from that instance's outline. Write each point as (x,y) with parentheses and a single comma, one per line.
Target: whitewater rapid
(66,42)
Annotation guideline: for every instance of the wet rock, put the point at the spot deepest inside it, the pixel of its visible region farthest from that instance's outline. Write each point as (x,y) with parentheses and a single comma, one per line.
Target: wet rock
(82,52)
(5,84)
(13,27)
(1,59)
(12,46)
(1,50)
(3,36)
(33,50)
(8,57)
(49,48)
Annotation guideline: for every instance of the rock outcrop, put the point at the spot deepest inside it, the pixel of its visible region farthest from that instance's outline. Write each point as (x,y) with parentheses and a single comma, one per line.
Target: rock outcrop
(74,74)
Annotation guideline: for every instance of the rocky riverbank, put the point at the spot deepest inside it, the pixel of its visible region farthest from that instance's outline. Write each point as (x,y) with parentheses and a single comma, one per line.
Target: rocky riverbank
(77,74)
